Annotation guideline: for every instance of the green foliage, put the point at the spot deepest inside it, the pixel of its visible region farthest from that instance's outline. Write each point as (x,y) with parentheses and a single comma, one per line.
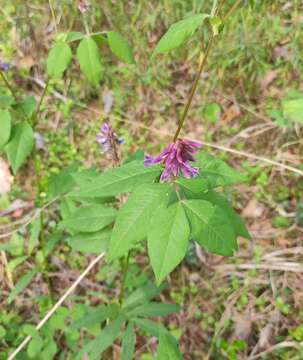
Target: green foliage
(168,348)
(128,342)
(89,218)
(20,145)
(178,33)
(21,285)
(133,219)
(90,243)
(120,47)
(58,60)
(293,107)
(210,227)
(5,127)
(119,180)
(89,58)
(167,239)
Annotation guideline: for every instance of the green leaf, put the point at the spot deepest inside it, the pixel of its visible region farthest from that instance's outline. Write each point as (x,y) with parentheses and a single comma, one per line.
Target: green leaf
(58,59)
(95,316)
(167,239)
(90,243)
(34,234)
(219,200)
(153,309)
(5,127)
(134,218)
(21,285)
(128,343)
(178,33)
(108,335)
(293,109)
(143,294)
(168,348)
(151,327)
(210,227)
(213,173)
(20,145)
(212,112)
(90,218)
(119,180)
(34,347)
(27,106)
(6,101)
(120,47)
(62,182)
(74,36)
(15,262)
(90,61)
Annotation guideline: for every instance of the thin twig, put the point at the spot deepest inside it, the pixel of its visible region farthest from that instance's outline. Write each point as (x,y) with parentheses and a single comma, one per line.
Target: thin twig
(284,344)
(58,304)
(282,266)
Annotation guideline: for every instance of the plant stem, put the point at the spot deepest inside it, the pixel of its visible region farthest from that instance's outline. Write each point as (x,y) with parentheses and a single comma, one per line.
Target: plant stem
(124,274)
(7,84)
(202,64)
(194,86)
(53,15)
(41,99)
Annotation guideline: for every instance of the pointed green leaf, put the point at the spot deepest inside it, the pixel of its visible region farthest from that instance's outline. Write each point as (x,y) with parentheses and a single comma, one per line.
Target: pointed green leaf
(215,169)
(167,239)
(143,294)
(89,58)
(108,335)
(21,285)
(119,180)
(219,200)
(95,316)
(151,327)
(178,33)
(128,342)
(5,127)
(120,47)
(153,309)
(90,243)
(210,227)
(58,59)
(90,218)
(134,218)
(20,145)
(34,234)
(168,348)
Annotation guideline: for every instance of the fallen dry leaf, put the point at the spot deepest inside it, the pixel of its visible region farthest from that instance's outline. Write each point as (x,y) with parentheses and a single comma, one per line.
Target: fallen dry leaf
(253,209)
(231,113)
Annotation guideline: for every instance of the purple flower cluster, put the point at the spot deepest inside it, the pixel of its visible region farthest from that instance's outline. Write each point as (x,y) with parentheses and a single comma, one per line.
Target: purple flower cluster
(107,138)
(83,6)
(176,158)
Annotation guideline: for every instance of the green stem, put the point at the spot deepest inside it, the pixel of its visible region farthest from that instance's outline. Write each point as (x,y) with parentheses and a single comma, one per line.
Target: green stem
(202,64)
(8,85)
(124,274)
(41,99)
(194,86)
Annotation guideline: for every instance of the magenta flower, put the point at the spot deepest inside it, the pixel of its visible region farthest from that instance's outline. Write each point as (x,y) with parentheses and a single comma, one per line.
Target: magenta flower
(107,138)
(83,6)
(176,158)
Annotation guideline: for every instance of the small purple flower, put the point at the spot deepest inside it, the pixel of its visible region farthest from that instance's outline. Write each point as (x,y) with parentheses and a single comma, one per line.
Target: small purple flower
(4,66)
(176,157)
(83,6)
(107,138)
